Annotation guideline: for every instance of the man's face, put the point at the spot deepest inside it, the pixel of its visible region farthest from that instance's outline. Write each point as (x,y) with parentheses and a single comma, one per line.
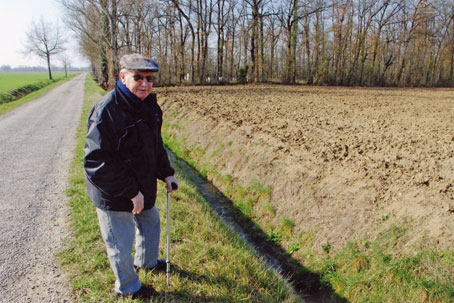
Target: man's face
(138,83)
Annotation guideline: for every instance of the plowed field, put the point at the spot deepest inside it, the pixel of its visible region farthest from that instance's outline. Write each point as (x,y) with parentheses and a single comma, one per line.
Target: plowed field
(343,164)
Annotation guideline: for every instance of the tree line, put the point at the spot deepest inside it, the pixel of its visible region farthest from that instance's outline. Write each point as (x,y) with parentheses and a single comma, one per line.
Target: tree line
(323,42)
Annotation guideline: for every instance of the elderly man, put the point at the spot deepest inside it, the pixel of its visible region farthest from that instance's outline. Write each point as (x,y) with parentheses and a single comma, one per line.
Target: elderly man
(124,157)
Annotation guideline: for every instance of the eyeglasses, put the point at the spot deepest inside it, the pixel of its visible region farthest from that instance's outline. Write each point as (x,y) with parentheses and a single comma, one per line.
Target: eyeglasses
(139,78)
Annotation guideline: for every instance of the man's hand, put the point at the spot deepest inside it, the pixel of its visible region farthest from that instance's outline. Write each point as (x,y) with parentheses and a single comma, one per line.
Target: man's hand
(137,201)
(169,181)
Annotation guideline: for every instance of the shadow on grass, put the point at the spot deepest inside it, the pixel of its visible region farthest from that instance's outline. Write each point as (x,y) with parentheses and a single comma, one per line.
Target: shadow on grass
(200,278)
(184,296)
(305,282)
(176,296)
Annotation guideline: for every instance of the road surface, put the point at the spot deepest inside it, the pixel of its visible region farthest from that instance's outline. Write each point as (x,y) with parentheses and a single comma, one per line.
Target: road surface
(36,144)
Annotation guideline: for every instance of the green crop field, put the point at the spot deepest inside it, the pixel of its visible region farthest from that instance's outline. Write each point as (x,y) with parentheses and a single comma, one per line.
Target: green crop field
(14,80)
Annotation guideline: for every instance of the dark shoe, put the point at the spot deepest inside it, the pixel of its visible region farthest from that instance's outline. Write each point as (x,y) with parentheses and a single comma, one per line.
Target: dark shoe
(145,292)
(160,266)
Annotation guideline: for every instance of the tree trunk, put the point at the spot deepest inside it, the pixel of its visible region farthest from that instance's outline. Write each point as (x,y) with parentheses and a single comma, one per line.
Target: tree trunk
(294,41)
(232,60)
(310,74)
(48,66)
(221,40)
(254,51)
(262,49)
(114,40)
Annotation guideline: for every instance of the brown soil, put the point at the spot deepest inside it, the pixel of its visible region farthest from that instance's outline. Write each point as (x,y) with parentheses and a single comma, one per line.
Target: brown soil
(343,163)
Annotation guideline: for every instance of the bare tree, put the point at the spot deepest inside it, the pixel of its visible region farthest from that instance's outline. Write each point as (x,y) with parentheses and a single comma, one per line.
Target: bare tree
(86,20)
(44,39)
(222,14)
(273,33)
(65,61)
(256,6)
(290,18)
(180,5)
(204,11)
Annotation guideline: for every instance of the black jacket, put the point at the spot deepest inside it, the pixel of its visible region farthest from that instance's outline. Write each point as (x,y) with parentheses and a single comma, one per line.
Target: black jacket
(124,152)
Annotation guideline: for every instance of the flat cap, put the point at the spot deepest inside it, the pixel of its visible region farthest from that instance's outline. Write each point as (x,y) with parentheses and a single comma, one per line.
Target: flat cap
(138,62)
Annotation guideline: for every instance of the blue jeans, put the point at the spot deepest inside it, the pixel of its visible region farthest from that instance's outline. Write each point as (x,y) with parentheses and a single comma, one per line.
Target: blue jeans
(118,229)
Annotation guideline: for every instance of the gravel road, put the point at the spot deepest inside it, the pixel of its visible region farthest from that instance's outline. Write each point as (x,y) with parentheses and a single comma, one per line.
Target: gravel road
(36,144)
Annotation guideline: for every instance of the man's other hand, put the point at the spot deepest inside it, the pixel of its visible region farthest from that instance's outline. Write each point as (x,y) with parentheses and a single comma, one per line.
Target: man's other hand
(137,201)
(169,181)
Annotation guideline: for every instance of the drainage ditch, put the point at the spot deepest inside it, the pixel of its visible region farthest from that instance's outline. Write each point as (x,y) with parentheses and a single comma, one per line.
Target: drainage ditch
(306,283)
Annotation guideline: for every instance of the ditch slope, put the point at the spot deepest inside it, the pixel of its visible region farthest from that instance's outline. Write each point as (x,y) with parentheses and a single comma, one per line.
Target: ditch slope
(343,164)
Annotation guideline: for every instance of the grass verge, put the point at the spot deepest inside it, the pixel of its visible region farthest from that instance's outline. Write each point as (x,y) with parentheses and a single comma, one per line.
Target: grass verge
(6,107)
(212,264)
(364,271)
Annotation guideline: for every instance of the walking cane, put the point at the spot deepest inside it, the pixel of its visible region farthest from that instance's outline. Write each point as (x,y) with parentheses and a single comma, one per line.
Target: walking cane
(174,186)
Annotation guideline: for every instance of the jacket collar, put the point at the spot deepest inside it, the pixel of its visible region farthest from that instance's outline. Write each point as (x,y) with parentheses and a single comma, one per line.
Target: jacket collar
(127,92)
(131,100)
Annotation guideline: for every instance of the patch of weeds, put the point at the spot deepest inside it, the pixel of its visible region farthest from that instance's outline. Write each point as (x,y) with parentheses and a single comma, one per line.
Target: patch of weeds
(256,186)
(287,223)
(230,143)
(264,193)
(258,191)
(235,193)
(274,235)
(327,247)
(226,180)
(328,271)
(294,247)
(269,209)
(286,227)
(308,254)
(245,198)
(246,206)
(203,173)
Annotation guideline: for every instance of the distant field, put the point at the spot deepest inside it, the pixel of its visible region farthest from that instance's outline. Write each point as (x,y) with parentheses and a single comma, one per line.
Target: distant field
(13,80)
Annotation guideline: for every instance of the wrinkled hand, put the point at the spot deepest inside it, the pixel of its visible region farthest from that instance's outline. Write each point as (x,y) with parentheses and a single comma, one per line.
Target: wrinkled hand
(138,202)
(169,180)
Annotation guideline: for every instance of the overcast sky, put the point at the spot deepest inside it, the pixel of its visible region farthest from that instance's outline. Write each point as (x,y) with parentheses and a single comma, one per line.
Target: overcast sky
(16,17)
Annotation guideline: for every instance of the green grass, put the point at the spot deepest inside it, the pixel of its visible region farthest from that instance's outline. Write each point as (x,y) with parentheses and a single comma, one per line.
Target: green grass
(10,81)
(364,271)
(212,263)
(6,107)
(369,272)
